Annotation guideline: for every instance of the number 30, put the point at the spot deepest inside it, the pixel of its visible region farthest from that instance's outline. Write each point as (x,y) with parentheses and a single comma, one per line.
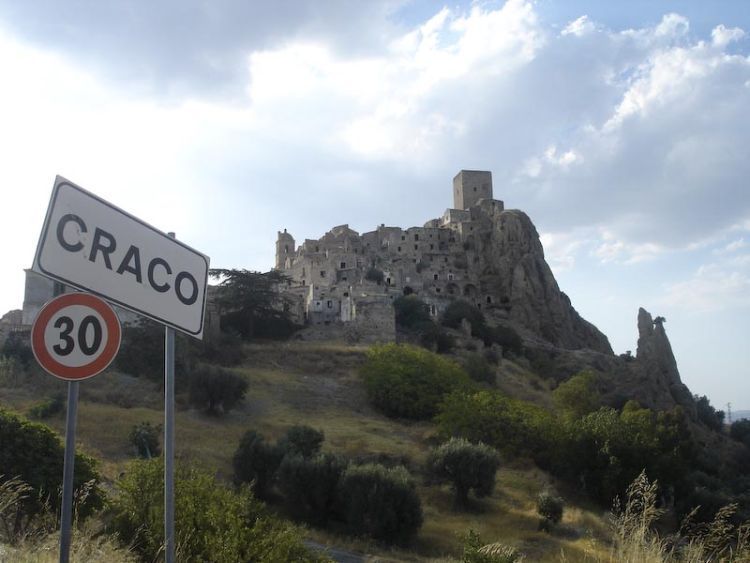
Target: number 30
(68,344)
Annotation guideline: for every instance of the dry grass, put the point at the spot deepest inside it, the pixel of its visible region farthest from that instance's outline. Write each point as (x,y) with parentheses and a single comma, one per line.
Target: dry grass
(317,384)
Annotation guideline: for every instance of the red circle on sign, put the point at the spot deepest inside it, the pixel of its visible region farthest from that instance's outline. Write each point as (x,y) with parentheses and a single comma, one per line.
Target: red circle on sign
(102,360)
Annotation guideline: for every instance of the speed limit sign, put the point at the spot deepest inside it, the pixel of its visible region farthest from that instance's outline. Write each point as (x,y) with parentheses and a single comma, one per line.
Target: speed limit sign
(75,336)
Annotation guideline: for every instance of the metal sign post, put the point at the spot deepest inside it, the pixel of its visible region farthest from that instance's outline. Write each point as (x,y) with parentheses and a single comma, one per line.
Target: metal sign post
(169,442)
(74,337)
(66,518)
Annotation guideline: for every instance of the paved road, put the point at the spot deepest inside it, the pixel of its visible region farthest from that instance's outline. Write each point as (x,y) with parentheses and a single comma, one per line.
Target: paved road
(338,555)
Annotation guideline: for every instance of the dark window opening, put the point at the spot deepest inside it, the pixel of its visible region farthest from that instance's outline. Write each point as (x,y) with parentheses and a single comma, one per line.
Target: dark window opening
(346,294)
(330,304)
(416,247)
(416,237)
(399,249)
(403,237)
(437,290)
(322,273)
(489,299)
(434,276)
(343,265)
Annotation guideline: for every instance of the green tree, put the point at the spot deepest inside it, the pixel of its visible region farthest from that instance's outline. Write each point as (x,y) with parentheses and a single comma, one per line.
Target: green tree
(512,426)
(550,508)
(250,303)
(256,462)
(466,466)
(409,382)
(411,312)
(34,453)
(380,502)
(459,310)
(216,390)
(740,431)
(707,414)
(302,440)
(309,484)
(578,396)
(212,523)
(144,436)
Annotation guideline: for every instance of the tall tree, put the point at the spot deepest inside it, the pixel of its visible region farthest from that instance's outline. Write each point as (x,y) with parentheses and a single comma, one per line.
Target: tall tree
(250,304)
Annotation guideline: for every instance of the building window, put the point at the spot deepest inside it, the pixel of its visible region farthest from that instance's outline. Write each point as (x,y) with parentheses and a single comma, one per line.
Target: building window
(416,236)
(434,276)
(450,276)
(330,304)
(303,271)
(489,299)
(346,294)
(432,247)
(317,249)
(416,247)
(322,273)
(343,278)
(343,265)
(403,237)
(399,249)
(475,188)
(437,290)
(286,248)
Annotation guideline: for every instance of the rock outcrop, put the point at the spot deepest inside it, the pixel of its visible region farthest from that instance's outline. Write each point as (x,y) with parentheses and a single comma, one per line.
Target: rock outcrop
(513,267)
(657,363)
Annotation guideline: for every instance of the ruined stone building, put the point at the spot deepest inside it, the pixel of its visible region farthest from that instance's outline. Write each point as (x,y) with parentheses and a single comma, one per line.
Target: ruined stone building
(477,251)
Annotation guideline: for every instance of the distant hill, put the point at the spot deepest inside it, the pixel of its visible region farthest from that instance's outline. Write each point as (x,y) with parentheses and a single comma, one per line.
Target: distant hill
(737,415)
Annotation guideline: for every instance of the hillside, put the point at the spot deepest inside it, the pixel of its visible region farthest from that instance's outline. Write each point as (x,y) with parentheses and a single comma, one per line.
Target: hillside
(318,385)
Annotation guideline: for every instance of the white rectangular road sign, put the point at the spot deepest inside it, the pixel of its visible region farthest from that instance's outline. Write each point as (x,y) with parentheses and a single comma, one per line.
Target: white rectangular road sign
(92,245)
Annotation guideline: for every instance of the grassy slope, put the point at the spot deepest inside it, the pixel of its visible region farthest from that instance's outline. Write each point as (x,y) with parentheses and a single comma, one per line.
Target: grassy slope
(314,384)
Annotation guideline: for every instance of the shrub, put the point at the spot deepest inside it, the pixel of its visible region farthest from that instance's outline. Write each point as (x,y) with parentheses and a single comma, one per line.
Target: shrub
(459,310)
(380,502)
(433,337)
(505,336)
(510,425)
(142,351)
(708,415)
(466,466)
(215,390)
(302,440)
(17,524)
(411,312)
(577,396)
(309,484)
(406,381)
(373,274)
(740,431)
(212,523)
(17,346)
(476,552)
(48,407)
(256,462)
(550,508)
(34,453)
(145,437)
(479,369)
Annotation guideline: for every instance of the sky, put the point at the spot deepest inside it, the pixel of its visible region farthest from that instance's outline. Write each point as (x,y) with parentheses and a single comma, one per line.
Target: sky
(621,128)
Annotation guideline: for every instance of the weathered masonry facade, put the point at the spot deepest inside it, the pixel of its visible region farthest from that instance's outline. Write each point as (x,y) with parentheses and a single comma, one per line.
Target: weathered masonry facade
(345,277)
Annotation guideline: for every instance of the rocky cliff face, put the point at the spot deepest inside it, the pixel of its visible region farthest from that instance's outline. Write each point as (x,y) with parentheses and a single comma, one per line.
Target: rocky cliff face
(656,361)
(512,267)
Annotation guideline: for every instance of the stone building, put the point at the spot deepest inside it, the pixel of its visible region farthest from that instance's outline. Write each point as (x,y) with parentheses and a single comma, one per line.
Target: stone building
(477,251)
(345,277)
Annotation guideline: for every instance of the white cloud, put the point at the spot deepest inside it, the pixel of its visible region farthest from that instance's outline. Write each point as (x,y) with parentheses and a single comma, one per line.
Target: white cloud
(579,27)
(723,36)
(713,287)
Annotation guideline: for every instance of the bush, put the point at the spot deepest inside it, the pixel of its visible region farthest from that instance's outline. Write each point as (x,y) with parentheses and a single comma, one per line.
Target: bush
(509,425)
(48,408)
(479,369)
(309,484)
(406,381)
(34,453)
(466,466)
(212,523)
(142,351)
(740,431)
(411,312)
(215,390)
(475,551)
(550,508)
(708,415)
(433,337)
(505,336)
(459,310)
(16,346)
(373,274)
(256,462)
(577,396)
(382,503)
(302,440)
(145,437)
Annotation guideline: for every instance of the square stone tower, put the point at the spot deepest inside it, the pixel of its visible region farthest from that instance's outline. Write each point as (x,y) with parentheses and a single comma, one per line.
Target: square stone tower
(469,186)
